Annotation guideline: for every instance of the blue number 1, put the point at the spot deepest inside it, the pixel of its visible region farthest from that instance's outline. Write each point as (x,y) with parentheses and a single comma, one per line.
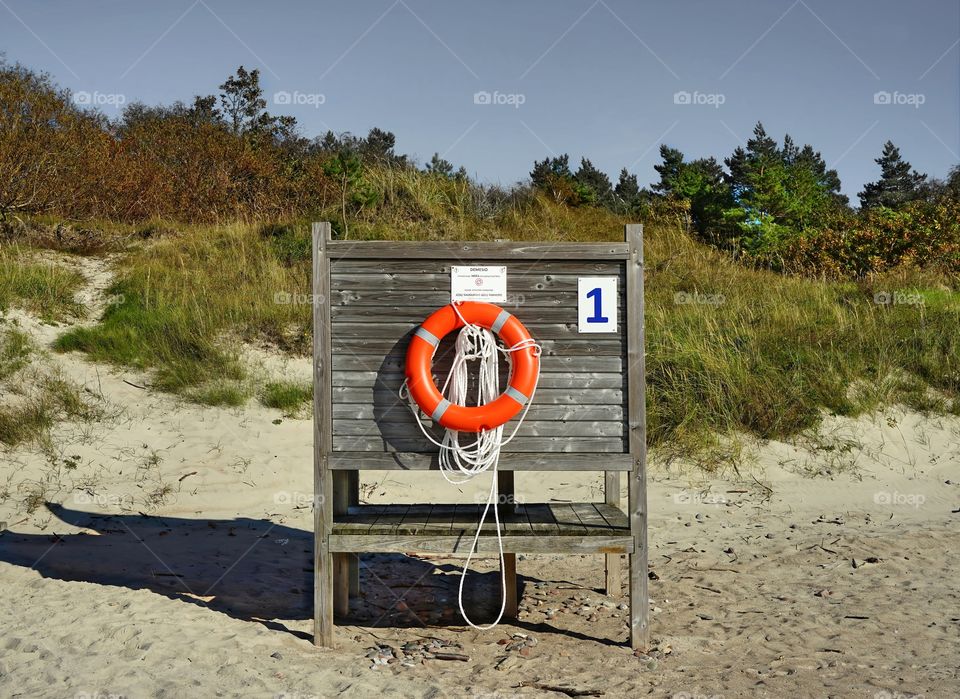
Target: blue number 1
(596,317)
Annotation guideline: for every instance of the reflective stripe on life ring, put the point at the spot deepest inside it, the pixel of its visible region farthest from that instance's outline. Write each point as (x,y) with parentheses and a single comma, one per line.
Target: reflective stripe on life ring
(523,376)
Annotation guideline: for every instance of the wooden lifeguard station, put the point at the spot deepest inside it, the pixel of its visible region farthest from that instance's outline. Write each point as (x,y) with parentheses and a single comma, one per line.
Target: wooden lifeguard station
(588,413)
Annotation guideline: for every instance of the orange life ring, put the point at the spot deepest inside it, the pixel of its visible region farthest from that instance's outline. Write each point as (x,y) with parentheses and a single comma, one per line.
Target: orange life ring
(523,376)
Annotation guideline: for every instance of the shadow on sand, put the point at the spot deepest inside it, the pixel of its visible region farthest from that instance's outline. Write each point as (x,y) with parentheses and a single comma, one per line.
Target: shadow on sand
(250,569)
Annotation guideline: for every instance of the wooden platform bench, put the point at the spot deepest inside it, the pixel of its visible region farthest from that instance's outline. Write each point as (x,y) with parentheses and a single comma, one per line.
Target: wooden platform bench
(530,528)
(587,415)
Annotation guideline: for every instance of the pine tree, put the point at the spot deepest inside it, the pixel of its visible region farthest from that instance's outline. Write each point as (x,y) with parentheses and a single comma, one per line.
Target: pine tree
(545,171)
(669,170)
(243,107)
(779,190)
(898,183)
(790,152)
(758,175)
(553,176)
(627,188)
(812,191)
(595,185)
(378,146)
(701,182)
(758,157)
(439,166)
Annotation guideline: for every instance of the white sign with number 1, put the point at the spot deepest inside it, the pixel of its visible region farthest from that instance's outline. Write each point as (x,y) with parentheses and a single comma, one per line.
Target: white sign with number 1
(597,304)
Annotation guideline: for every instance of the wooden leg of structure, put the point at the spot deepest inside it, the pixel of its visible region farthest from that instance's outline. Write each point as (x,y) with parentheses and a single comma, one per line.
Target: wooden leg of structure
(343,496)
(507,504)
(612,578)
(354,575)
(353,490)
(510,571)
(639,632)
(341,584)
(611,490)
(323,599)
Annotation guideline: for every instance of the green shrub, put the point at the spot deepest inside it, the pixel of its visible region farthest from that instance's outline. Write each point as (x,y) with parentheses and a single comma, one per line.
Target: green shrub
(920,235)
(231,394)
(287,396)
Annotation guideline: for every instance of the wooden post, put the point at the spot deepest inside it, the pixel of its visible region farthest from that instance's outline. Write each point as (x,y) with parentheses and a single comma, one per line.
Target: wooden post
(354,572)
(322,438)
(637,430)
(611,493)
(353,489)
(506,504)
(341,584)
(341,561)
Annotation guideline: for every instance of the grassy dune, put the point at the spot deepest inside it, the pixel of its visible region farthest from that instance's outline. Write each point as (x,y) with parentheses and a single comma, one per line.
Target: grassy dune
(730,349)
(186,301)
(42,288)
(737,349)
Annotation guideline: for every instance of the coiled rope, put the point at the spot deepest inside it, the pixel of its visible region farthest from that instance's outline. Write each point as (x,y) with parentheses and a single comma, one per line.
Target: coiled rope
(460,463)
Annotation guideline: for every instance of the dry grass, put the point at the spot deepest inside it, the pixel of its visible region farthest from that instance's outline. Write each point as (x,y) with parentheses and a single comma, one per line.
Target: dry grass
(40,287)
(186,301)
(730,349)
(36,398)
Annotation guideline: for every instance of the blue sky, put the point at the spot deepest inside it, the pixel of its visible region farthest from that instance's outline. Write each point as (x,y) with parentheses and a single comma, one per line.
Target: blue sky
(609,80)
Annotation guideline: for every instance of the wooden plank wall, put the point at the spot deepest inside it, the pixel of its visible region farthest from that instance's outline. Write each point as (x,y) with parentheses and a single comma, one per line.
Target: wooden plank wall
(580,405)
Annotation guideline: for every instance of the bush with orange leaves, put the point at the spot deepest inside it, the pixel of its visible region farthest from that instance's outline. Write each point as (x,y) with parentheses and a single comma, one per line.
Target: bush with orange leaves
(179,163)
(921,235)
(50,151)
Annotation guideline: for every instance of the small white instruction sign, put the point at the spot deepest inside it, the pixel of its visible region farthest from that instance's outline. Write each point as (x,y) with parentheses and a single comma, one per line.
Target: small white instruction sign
(478,283)
(597,304)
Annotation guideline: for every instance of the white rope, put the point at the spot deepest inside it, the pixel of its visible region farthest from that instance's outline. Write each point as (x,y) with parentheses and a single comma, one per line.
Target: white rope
(460,463)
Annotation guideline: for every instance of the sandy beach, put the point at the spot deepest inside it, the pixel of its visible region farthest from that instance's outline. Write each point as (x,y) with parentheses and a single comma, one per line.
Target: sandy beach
(169,555)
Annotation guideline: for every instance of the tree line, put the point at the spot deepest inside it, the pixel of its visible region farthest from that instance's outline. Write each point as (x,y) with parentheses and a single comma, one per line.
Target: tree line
(780,205)
(762,196)
(225,157)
